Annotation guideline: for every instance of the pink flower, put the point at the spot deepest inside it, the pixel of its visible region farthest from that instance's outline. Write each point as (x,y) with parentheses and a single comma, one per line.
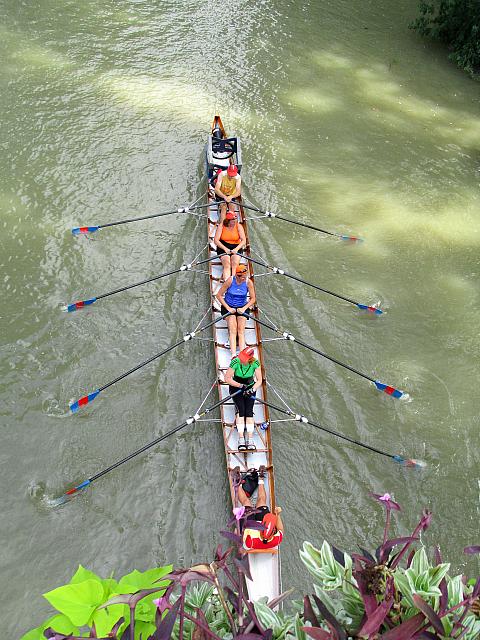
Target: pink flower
(238,512)
(387,501)
(162,603)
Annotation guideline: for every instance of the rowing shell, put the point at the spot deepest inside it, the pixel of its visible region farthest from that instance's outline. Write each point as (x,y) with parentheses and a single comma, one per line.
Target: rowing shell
(264,565)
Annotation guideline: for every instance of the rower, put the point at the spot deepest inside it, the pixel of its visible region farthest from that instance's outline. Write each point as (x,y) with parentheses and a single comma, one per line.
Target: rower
(272,534)
(244,371)
(227,188)
(236,296)
(230,242)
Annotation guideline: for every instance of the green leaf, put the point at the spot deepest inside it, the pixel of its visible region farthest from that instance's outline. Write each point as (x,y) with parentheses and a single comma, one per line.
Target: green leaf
(77,601)
(136,580)
(105,619)
(436,574)
(58,622)
(455,591)
(322,565)
(403,585)
(299,633)
(143,629)
(109,584)
(198,595)
(419,562)
(268,618)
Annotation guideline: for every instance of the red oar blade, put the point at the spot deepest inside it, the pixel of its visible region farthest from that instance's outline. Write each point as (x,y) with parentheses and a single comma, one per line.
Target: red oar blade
(351,238)
(78,231)
(410,462)
(68,308)
(370,308)
(75,406)
(389,390)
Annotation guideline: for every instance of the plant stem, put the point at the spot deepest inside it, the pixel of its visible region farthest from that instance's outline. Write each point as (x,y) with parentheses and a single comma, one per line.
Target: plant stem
(202,626)
(221,596)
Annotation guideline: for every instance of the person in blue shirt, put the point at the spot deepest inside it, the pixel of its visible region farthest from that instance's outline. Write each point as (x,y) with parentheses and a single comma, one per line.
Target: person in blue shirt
(236,296)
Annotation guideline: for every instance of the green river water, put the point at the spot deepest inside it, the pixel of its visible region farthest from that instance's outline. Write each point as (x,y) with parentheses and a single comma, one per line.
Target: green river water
(348,121)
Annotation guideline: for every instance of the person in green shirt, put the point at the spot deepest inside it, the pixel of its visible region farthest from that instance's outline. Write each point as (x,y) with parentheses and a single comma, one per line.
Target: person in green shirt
(244,371)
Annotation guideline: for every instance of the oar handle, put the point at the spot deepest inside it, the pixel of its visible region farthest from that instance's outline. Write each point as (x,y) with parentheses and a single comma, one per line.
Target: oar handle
(304,419)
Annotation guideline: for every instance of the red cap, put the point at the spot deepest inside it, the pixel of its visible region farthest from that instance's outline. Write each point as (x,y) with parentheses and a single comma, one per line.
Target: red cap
(231,216)
(270,523)
(246,355)
(232,170)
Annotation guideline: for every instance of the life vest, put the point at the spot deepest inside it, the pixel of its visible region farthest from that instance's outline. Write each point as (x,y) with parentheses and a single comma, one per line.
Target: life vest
(228,185)
(252,539)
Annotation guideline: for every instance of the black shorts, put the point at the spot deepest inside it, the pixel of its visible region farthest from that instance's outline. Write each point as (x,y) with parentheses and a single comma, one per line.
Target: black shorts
(223,311)
(262,512)
(220,199)
(244,404)
(229,245)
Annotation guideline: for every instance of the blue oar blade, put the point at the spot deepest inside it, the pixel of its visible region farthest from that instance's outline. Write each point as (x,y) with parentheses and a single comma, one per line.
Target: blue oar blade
(68,495)
(410,462)
(75,406)
(370,309)
(78,305)
(78,231)
(389,390)
(351,238)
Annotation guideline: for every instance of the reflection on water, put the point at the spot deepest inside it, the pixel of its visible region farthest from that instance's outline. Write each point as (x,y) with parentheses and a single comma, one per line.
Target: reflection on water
(361,130)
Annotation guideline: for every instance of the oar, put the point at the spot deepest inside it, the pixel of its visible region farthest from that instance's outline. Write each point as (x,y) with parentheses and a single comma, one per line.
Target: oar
(271,214)
(408,462)
(90,397)
(389,390)
(83,485)
(281,272)
(79,230)
(83,303)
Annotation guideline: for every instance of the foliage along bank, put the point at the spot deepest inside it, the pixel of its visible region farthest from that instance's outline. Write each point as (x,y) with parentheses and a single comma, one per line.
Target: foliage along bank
(456,23)
(391,593)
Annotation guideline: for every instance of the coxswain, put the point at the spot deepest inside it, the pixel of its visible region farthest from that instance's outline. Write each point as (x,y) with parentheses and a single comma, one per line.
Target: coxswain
(244,371)
(272,533)
(236,296)
(227,188)
(230,241)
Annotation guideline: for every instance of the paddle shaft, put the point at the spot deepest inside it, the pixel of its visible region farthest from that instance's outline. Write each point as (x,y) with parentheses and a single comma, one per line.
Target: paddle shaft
(160,438)
(300,224)
(289,275)
(154,215)
(158,355)
(310,348)
(162,275)
(330,431)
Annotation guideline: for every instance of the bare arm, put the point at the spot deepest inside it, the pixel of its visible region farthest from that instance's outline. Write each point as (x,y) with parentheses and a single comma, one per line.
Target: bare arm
(229,379)
(217,187)
(243,240)
(221,292)
(278,511)
(258,379)
(238,190)
(251,302)
(217,241)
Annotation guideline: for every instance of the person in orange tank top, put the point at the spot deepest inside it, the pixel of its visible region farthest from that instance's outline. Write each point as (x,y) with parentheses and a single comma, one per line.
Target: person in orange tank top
(230,242)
